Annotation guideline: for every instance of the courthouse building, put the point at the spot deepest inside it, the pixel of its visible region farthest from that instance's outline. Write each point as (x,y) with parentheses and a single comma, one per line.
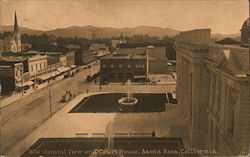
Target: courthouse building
(213,90)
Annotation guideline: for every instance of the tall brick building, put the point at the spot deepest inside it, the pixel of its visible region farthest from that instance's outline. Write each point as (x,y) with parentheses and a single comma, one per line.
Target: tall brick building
(120,68)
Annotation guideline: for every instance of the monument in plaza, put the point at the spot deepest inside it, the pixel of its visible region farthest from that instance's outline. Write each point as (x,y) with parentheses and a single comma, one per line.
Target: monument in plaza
(129,100)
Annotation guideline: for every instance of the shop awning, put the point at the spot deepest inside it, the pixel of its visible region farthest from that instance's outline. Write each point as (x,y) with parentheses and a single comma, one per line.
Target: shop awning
(139,76)
(73,66)
(28,83)
(47,75)
(63,69)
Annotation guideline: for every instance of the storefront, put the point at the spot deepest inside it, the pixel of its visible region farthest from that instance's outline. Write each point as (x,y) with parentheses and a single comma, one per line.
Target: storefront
(24,85)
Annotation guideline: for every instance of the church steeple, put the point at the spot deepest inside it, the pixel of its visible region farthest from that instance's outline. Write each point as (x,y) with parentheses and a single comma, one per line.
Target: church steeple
(16,29)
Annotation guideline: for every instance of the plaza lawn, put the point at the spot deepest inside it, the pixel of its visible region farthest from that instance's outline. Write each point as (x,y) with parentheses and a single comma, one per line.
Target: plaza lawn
(147,102)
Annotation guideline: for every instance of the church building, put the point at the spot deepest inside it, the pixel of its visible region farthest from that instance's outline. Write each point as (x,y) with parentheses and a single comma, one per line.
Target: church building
(12,41)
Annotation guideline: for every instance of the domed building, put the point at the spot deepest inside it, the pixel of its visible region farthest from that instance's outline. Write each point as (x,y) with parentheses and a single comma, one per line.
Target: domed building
(245,33)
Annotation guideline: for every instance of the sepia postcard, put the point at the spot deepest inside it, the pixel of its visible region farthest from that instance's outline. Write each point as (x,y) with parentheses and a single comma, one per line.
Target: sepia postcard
(124,78)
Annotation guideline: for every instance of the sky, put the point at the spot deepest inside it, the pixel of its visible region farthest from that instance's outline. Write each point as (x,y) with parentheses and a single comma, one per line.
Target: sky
(222,16)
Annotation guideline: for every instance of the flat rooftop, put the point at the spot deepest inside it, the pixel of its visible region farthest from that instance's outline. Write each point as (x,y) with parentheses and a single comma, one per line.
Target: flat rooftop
(119,56)
(12,59)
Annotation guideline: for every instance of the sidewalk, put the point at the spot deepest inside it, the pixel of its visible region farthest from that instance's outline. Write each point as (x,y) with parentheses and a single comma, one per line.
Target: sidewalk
(163,79)
(6,100)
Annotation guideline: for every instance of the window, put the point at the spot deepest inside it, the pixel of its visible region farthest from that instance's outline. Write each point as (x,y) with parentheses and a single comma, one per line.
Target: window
(111,66)
(129,75)
(139,66)
(129,66)
(120,75)
(36,67)
(44,65)
(112,75)
(40,66)
(120,66)
(31,68)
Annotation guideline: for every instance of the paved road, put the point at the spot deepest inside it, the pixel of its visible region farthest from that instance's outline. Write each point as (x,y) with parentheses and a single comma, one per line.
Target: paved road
(20,118)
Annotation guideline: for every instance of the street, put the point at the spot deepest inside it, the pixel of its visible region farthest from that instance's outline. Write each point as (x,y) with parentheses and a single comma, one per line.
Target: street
(20,118)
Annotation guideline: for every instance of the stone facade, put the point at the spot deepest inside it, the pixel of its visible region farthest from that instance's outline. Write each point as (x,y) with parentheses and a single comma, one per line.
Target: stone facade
(37,64)
(213,90)
(63,60)
(70,58)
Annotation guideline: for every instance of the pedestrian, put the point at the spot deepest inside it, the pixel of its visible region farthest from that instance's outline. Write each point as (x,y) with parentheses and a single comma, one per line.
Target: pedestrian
(70,95)
(87,91)
(100,88)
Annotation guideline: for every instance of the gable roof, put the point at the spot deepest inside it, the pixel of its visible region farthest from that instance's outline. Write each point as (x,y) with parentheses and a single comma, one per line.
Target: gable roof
(227,41)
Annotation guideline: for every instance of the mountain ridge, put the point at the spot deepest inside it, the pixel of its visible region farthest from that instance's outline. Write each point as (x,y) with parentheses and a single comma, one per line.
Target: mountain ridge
(106,32)
(103,32)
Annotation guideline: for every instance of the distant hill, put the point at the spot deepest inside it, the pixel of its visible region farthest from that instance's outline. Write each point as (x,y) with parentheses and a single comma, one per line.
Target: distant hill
(218,37)
(21,29)
(87,31)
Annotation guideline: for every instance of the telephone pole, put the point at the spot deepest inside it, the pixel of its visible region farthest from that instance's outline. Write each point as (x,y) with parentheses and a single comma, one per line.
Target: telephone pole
(50,105)
(22,86)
